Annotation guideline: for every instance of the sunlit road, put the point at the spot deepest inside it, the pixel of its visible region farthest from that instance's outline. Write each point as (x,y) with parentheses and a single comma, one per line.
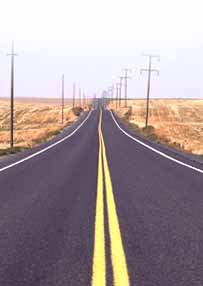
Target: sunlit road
(94,207)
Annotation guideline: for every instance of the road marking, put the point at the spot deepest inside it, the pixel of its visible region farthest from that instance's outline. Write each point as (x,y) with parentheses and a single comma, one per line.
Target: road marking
(120,271)
(47,148)
(99,260)
(155,150)
(118,259)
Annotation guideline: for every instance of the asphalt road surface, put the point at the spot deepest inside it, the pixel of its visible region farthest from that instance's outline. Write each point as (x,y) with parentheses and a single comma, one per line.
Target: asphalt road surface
(95,207)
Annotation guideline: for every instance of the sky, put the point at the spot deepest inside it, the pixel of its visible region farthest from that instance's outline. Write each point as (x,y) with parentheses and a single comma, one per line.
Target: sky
(92,41)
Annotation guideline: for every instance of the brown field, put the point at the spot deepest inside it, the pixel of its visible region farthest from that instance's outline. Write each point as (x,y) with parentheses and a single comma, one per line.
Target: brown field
(35,120)
(178,120)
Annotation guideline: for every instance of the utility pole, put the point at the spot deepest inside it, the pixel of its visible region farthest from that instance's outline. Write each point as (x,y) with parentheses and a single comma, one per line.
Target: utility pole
(12,54)
(120,90)
(94,100)
(73,95)
(149,70)
(62,99)
(126,84)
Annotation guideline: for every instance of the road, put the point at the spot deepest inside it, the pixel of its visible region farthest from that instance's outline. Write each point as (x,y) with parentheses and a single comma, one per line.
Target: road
(95,207)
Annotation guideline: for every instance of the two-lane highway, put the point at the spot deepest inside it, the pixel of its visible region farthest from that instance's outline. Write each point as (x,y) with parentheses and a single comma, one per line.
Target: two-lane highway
(97,208)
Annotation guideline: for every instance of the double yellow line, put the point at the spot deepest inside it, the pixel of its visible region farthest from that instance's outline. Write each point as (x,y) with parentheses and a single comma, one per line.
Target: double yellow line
(120,271)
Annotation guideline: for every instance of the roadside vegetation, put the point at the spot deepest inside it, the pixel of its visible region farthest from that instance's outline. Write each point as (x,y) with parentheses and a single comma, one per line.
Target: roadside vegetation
(35,121)
(176,123)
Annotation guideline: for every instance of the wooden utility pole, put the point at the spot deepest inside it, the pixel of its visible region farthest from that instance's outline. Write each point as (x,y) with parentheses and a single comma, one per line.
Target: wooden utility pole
(62,99)
(12,54)
(126,84)
(149,70)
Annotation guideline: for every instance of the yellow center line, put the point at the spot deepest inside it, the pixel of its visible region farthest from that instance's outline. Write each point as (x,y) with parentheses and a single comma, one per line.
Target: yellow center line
(120,271)
(99,260)
(118,259)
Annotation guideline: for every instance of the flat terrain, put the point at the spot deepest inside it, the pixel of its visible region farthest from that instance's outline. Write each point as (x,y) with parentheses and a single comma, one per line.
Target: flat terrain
(97,208)
(178,120)
(35,120)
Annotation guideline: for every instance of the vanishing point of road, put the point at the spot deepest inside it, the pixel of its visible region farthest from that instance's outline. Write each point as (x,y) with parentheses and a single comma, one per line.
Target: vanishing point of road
(99,206)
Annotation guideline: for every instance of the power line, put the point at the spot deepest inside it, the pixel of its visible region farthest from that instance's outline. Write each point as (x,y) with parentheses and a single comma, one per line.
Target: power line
(149,70)
(12,54)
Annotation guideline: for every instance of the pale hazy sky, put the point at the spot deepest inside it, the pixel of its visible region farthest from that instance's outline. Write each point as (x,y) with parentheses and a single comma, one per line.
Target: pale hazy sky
(90,41)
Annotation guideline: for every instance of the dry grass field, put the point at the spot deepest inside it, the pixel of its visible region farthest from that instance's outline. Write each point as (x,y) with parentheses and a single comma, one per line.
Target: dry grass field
(35,120)
(179,121)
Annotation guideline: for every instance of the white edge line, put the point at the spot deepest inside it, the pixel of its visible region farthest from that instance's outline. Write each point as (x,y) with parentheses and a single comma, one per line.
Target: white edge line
(155,150)
(48,147)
